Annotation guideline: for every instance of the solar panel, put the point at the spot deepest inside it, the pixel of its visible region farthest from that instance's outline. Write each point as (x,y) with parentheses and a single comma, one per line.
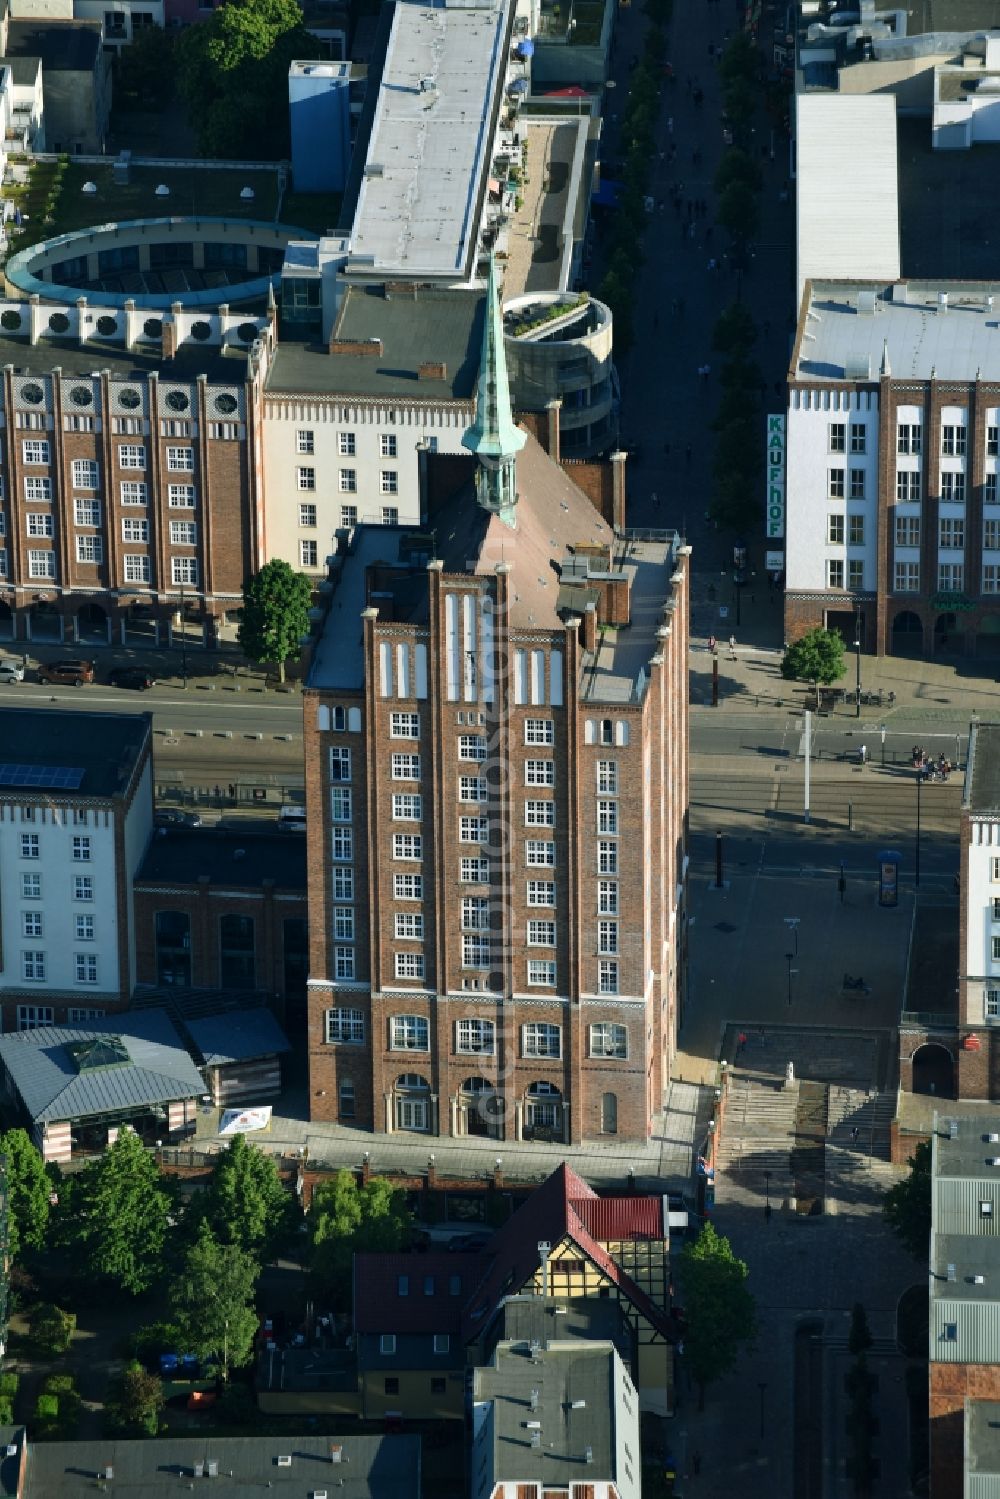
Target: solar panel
(58,777)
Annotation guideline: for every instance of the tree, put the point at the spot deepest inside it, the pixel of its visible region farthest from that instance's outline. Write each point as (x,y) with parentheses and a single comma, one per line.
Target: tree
(344,1219)
(211,1301)
(907,1205)
(52,1328)
(735,331)
(233,75)
(246,1203)
(28,1191)
(817,657)
(737,212)
(134,1402)
(122,1209)
(276,601)
(720,1311)
(740,60)
(144,70)
(859,1339)
(738,166)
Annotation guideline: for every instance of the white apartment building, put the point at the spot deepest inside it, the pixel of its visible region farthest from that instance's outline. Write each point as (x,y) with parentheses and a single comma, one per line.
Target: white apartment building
(893,513)
(76,818)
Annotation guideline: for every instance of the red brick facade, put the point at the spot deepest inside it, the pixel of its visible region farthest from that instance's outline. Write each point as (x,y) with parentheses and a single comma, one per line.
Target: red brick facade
(88,463)
(950,1384)
(547,760)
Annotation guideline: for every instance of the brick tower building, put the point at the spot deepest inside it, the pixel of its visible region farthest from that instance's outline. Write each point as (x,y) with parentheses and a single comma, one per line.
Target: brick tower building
(496,747)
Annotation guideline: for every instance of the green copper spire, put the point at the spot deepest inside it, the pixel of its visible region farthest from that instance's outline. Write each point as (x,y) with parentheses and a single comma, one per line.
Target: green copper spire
(493,437)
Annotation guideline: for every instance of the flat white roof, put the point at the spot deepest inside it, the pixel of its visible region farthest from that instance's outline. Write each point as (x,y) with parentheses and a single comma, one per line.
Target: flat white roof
(847,199)
(416,211)
(848,327)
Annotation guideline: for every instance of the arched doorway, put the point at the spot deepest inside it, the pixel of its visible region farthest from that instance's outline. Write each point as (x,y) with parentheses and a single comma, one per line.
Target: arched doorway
(6,621)
(947,640)
(45,622)
(988,637)
(412,1102)
(482,1107)
(907,634)
(609,1113)
(92,624)
(934,1070)
(543,1110)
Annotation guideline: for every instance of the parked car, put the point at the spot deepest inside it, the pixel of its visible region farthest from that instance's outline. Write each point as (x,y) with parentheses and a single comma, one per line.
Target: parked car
(11,670)
(72,673)
(292,819)
(174,817)
(136,677)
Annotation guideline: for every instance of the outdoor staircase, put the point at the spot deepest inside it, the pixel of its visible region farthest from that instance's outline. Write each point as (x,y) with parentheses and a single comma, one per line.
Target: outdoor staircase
(870,1113)
(759,1131)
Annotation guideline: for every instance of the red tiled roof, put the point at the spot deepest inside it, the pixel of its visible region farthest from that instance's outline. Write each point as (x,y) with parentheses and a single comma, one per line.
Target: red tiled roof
(607,1218)
(379,1307)
(562,1205)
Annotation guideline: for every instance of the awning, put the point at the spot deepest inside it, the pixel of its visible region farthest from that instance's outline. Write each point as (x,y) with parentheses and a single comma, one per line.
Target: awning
(525,48)
(606,195)
(493,185)
(573,92)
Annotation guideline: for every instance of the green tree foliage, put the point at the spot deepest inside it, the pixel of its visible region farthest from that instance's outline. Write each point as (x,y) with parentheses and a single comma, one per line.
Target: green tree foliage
(740,60)
(51,1328)
(817,657)
(738,213)
(232,72)
(907,1205)
(28,1190)
(345,1218)
(859,1339)
(738,167)
(721,1314)
(134,1402)
(276,600)
(144,71)
(246,1204)
(735,331)
(212,1301)
(121,1209)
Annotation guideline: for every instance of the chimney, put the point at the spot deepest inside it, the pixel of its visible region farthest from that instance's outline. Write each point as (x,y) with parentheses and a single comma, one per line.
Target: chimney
(589,640)
(168,336)
(544,1250)
(358,348)
(432,369)
(552,443)
(618,461)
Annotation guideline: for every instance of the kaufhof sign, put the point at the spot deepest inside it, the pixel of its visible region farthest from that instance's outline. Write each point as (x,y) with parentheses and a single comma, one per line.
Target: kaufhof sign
(775,477)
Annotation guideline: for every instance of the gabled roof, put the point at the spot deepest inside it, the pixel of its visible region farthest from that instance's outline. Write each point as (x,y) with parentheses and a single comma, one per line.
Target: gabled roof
(556,1211)
(155,1068)
(610,1218)
(380,1307)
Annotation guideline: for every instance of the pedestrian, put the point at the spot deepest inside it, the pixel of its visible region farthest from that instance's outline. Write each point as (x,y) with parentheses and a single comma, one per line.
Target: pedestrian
(670,127)
(687,452)
(863,754)
(732,647)
(741,1042)
(854,1134)
(713,264)
(712,643)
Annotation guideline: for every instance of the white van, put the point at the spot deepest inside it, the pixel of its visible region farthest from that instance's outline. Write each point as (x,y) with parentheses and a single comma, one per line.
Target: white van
(292,819)
(11,670)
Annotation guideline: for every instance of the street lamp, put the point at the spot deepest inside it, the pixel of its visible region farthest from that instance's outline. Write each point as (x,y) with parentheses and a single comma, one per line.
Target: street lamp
(857,653)
(792,922)
(882,733)
(789,956)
